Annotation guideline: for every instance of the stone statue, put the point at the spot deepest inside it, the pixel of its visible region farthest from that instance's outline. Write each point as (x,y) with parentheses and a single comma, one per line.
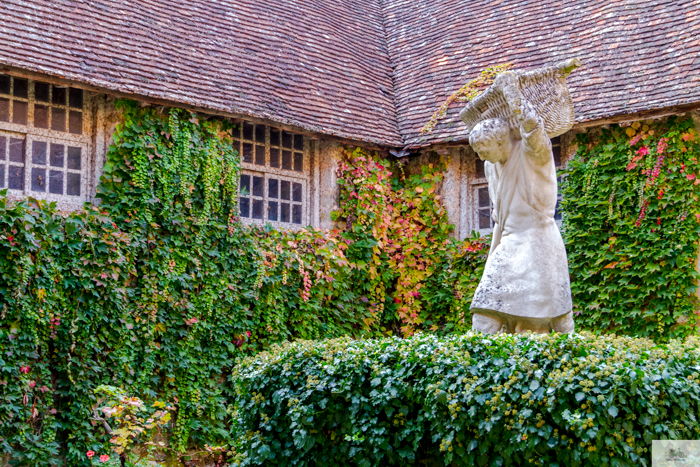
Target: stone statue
(525,285)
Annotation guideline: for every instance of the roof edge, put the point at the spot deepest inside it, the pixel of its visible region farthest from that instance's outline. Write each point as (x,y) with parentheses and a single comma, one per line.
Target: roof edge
(659,112)
(74,80)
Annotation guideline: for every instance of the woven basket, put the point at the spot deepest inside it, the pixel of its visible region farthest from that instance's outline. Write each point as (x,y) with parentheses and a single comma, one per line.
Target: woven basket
(545,88)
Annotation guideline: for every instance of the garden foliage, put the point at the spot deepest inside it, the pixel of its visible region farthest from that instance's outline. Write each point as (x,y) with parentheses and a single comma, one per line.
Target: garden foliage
(631,227)
(555,401)
(160,289)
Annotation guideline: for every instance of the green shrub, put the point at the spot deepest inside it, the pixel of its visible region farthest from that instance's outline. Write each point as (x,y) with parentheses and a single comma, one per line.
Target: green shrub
(466,400)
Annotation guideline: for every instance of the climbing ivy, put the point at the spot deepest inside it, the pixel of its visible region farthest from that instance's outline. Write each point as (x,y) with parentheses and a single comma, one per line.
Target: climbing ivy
(159,289)
(631,227)
(401,220)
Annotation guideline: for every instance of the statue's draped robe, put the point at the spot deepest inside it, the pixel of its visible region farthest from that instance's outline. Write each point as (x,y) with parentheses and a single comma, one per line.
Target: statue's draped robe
(526,273)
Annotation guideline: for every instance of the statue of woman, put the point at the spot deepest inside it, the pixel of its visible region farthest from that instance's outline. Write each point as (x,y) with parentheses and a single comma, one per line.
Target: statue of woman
(525,285)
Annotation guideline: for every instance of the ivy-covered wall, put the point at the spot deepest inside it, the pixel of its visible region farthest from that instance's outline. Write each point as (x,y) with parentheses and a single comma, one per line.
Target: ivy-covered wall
(160,289)
(631,227)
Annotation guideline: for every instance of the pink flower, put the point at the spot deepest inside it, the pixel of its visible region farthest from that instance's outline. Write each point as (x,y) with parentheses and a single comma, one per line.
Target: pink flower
(32,384)
(54,412)
(643,151)
(663,143)
(90,454)
(104,458)
(248,333)
(24,369)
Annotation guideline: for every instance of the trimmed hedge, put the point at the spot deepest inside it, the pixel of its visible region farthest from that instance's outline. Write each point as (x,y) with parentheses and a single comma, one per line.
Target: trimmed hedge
(553,400)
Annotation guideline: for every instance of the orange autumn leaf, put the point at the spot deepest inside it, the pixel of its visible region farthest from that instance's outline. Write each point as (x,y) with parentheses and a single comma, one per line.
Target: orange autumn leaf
(611,265)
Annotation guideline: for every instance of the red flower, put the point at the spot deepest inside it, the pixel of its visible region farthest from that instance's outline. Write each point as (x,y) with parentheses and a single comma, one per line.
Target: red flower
(32,384)
(90,454)
(643,151)
(24,369)
(104,458)
(248,333)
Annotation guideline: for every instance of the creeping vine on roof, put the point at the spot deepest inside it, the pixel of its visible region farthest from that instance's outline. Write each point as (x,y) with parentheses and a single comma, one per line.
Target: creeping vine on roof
(466,93)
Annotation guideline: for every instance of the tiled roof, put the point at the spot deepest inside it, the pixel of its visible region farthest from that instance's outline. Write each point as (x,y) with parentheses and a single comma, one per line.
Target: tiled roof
(637,54)
(315,64)
(366,70)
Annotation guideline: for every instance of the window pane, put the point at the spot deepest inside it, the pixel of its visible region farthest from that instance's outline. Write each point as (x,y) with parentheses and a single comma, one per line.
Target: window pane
(244,207)
(260,133)
(19,112)
(299,142)
(15,179)
(4,110)
(274,137)
(296,214)
(57,153)
(247,131)
(58,119)
(259,155)
(296,192)
(58,96)
(73,187)
(272,211)
(298,162)
(56,182)
(21,88)
(41,116)
(2,176)
(284,217)
(236,131)
(287,140)
(258,208)
(274,157)
(484,219)
(39,152)
(258,186)
(248,153)
(285,189)
(273,188)
(484,197)
(74,158)
(41,92)
(75,122)
(556,152)
(38,179)
(480,168)
(245,184)
(4,84)
(287,160)
(16,150)
(3,143)
(75,98)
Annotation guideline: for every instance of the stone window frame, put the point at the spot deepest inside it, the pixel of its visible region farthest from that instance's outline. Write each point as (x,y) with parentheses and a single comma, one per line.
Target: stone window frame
(260,163)
(29,132)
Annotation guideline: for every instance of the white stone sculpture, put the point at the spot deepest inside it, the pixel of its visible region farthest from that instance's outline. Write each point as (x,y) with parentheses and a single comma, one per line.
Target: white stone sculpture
(525,285)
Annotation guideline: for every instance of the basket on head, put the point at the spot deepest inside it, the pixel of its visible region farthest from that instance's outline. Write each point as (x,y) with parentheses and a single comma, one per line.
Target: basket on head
(545,88)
